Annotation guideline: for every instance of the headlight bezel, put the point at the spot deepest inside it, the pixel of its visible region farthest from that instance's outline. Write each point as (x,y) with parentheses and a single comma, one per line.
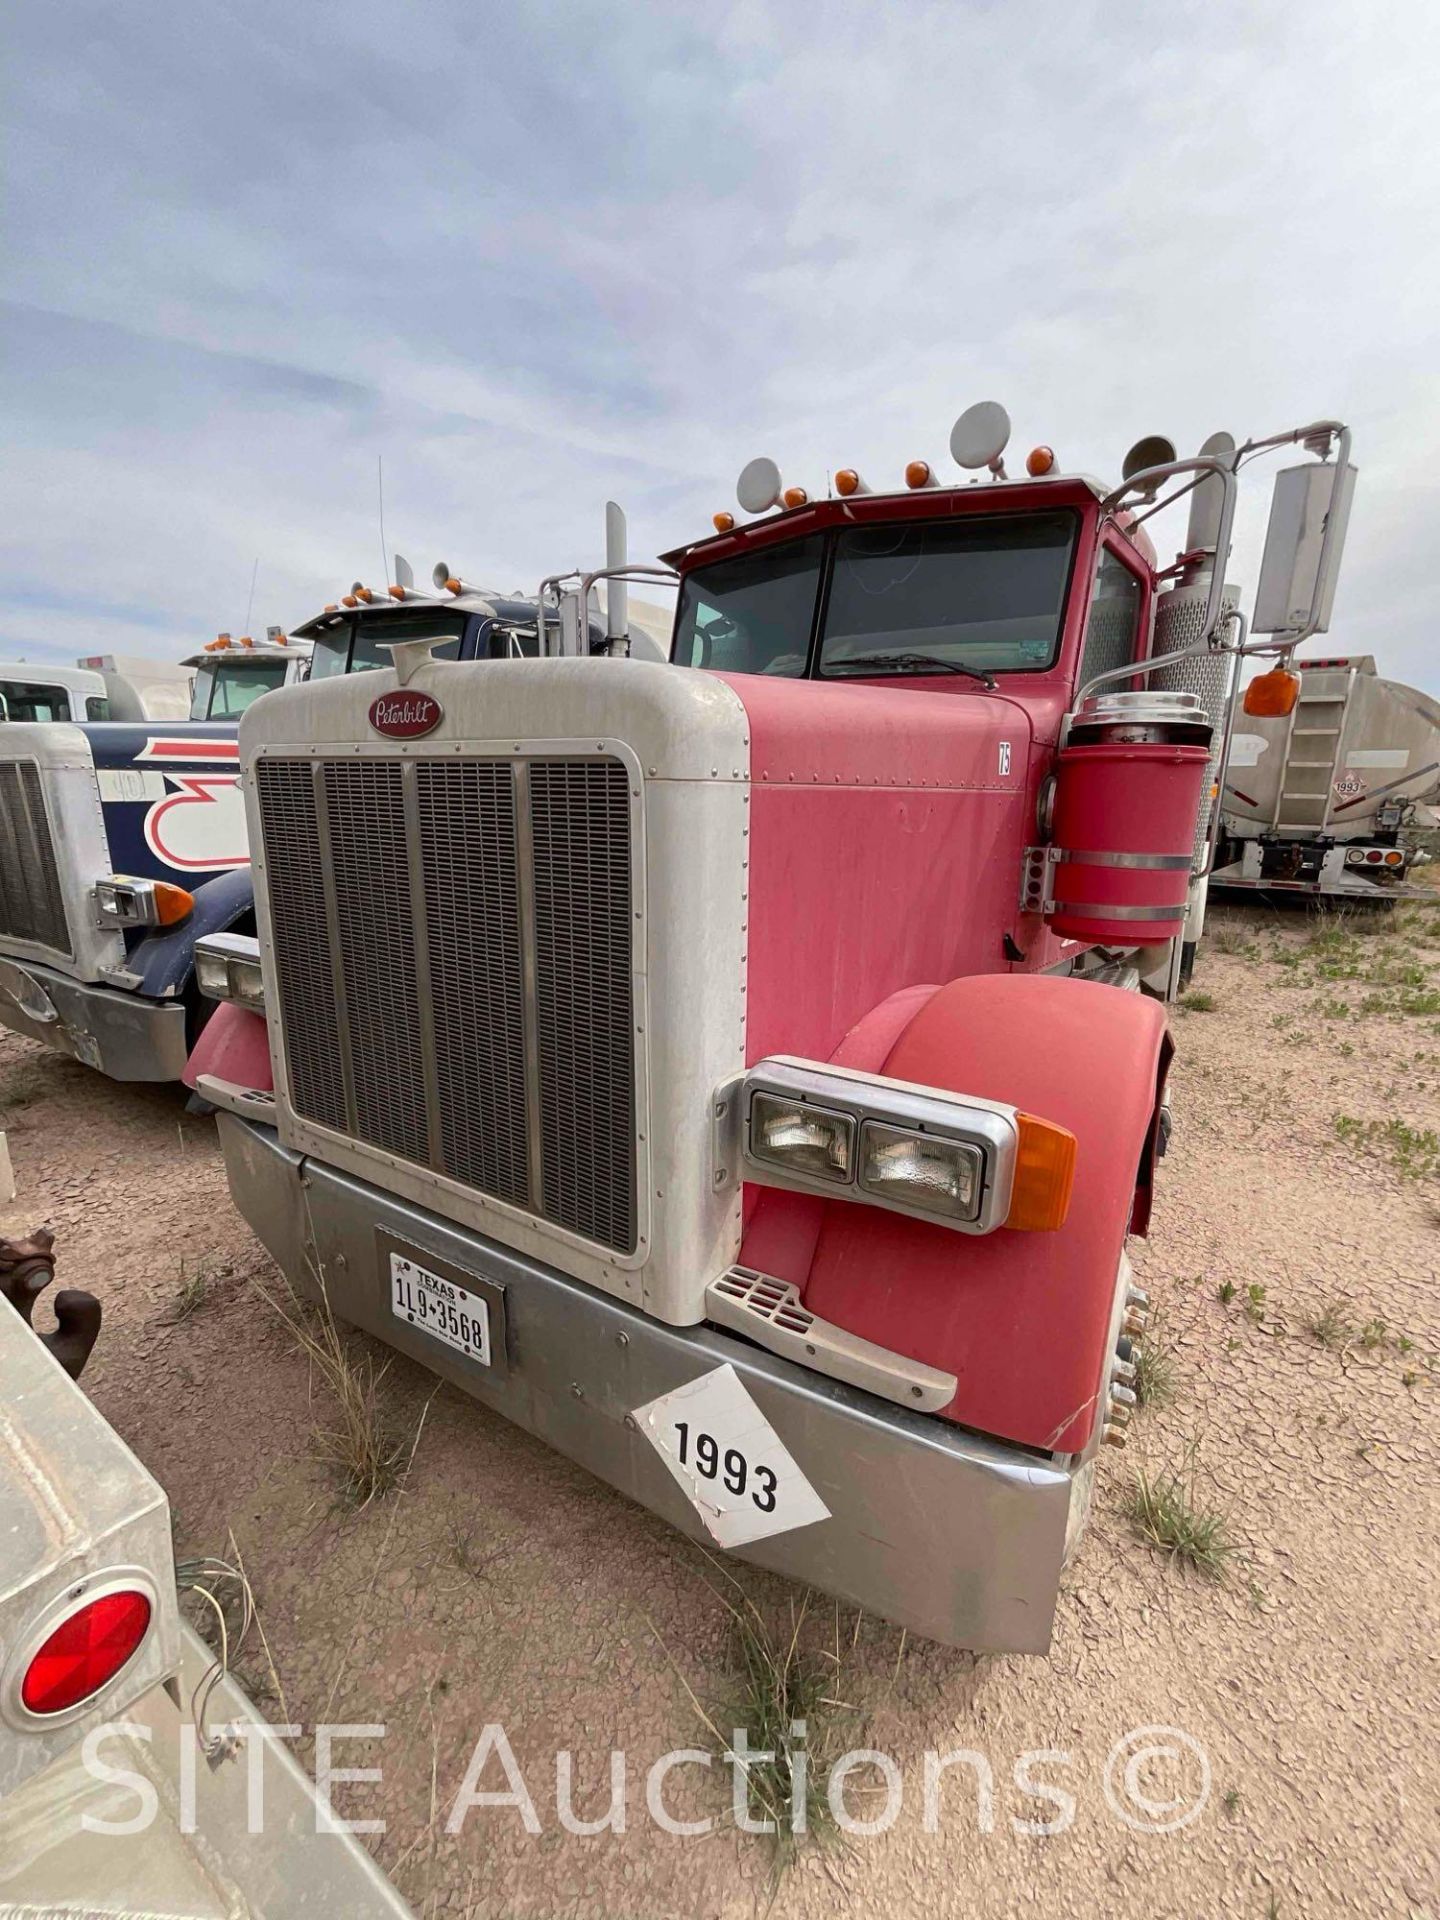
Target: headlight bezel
(227,969)
(987,1128)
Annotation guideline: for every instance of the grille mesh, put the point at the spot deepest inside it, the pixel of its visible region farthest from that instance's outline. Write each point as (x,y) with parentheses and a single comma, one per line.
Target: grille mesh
(365,813)
(295,876)
(31,905)
(583,993)
(434,1054)
(472,889)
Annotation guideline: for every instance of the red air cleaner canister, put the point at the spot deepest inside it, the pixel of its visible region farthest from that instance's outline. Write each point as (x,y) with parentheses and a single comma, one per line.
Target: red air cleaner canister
(1127,798)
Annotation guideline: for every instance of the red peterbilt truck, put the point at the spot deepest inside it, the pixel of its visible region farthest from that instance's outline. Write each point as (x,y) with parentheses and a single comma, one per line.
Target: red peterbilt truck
(744,1072)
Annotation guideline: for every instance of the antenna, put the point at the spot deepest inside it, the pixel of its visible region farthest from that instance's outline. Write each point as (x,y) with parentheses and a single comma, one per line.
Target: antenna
(380,486)
(250,603)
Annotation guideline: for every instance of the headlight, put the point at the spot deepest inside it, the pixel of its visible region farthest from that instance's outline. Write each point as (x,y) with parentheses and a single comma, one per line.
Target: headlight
(809,1140)
(227,967)
(123,902)
(917,1169)
(950,1158)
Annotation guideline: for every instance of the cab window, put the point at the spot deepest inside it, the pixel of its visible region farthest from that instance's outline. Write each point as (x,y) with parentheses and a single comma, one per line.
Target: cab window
(97,707)
(752,614)
(28,700)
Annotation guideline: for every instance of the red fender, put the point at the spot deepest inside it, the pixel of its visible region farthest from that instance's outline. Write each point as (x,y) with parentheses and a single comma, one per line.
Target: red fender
(1021,1319)
(234,1046)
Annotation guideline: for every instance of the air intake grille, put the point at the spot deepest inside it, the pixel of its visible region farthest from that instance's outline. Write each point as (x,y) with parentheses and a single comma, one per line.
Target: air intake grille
(453,950)
(31,906)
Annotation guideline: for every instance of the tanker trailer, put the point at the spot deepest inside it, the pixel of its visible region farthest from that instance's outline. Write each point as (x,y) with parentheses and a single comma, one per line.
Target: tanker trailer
(1316,801)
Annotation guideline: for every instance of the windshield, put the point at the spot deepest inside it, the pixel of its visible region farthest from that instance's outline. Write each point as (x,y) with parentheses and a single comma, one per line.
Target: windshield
(24,700)
(978,592)
(360,646)
(983,592)
(224,692)
(751,615)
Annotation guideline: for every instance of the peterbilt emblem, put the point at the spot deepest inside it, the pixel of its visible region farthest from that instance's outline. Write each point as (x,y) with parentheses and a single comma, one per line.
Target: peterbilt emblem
(405,716)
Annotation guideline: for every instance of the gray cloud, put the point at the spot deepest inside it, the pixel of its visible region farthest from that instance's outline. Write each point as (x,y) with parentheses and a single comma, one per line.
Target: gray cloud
(538,260)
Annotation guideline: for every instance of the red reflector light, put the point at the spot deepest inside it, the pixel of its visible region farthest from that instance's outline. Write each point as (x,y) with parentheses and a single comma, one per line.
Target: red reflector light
(85,1652)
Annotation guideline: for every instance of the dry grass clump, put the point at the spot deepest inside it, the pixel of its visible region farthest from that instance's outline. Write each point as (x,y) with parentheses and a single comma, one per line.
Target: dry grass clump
(360,1441)
(1169,1509)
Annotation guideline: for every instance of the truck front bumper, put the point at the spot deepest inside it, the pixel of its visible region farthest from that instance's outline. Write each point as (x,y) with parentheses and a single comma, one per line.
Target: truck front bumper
(122,1034)
(957,1537)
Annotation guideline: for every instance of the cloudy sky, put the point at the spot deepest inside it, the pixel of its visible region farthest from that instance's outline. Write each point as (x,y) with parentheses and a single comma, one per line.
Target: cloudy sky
(542,254)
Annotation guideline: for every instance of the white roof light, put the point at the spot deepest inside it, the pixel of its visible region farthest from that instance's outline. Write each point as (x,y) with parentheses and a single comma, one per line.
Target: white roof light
(758,488)
(980,436)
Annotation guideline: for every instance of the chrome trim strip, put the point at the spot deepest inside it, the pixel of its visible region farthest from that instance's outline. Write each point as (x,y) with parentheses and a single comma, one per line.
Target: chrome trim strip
(1162,910)
(1158,862)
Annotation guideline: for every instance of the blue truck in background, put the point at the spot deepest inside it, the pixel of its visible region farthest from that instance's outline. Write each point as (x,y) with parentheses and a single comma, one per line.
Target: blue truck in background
(122,843)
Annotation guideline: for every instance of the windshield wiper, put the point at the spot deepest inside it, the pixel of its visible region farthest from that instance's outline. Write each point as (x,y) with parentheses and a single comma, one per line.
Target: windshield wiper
(915,663)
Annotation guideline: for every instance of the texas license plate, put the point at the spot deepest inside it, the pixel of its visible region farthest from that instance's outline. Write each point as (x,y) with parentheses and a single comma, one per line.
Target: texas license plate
(449,1313)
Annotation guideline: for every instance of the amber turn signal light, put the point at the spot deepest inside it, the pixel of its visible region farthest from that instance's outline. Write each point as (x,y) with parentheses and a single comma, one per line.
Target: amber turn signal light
(1044,1175)
(172,904)
(1272,695)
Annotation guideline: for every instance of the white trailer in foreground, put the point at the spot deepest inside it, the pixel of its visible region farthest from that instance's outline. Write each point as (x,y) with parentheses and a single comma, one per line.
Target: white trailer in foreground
(1316,801)
(136,1778)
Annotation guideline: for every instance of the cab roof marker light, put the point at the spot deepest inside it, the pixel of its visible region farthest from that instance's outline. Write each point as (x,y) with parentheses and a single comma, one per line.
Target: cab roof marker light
(397,592)
(848,482)
(723,522)
(1041,461)
(348,600)
(795,497)
(920,473)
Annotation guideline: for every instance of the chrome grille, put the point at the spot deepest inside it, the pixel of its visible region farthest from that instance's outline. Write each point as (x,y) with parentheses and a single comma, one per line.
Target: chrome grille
(452,941)
(31,905)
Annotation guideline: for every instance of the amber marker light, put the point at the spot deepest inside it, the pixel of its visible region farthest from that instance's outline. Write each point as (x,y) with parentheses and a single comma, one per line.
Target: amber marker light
(172,904)
(1044,1175)
(1272,695)
(848,481)
(795,497)
(364,593)
(918,474)
(1040,461)
(348,600)
(723,522)
(397,593)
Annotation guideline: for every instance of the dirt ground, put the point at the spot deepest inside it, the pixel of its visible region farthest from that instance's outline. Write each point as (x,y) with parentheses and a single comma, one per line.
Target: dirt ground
(1293,1259)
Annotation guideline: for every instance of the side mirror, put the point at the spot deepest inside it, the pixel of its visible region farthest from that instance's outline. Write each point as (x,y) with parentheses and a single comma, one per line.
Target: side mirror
(1309,513)
(1271,696)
